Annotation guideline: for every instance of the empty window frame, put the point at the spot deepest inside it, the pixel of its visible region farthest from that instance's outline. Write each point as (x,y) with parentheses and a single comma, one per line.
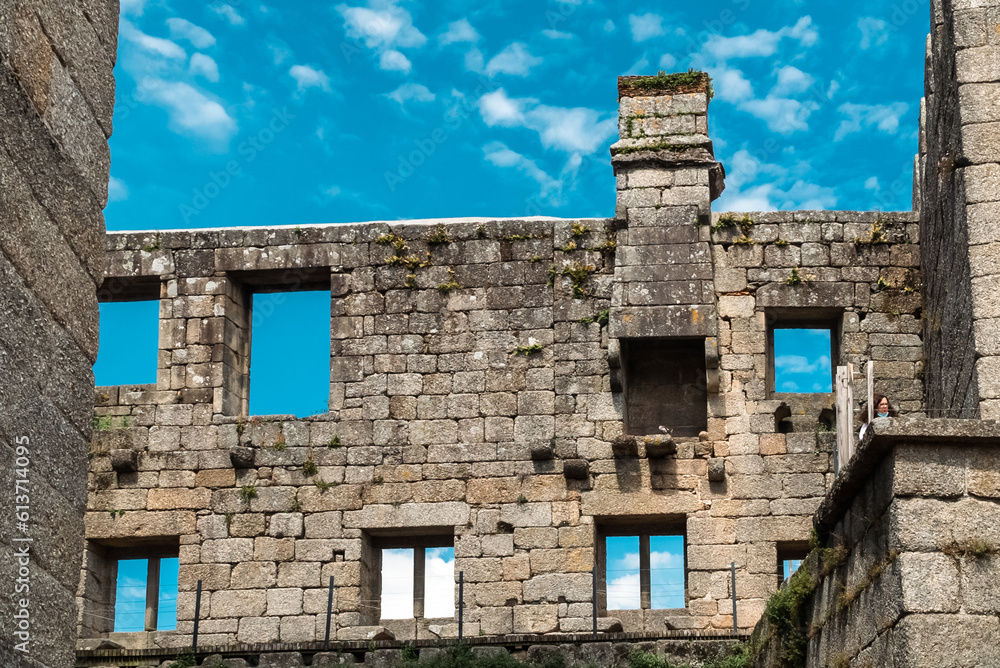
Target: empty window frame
(665,386)
(129,586)
(146,594)
(130,331)
(289,352)
(790,557)
(801,356)
(413,577)
(641,567)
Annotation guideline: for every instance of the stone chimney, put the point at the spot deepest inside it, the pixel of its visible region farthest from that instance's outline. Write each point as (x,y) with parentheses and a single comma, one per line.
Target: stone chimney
(667,178)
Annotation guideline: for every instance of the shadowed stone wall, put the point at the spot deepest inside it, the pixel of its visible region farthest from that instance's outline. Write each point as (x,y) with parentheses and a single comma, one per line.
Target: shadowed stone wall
(56,99)
(960,205)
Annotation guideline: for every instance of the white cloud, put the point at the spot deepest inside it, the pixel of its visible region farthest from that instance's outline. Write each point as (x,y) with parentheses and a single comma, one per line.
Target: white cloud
(623,592)
(387,27)
(331,192)
(191,112)
(792,80)
(411,91)
(497,108)
(308,77)
(761,43)
(156,45)
(884,117)
(515,60)
(393,60)
(783,115)
(667,61)
(397,584)
(280,51)
(117,190)
(558,34)
(754,185)
(439,590)
(576,130)
(873,32)
(801,364)
(460,31)
(609,26)
(184,29)
(803,31)
(132,7)
(872,183)
(204,65)
(646,26)
(730,84)
(229,13)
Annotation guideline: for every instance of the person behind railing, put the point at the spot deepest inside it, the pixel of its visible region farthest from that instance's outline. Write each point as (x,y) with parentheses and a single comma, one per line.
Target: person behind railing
(882,409)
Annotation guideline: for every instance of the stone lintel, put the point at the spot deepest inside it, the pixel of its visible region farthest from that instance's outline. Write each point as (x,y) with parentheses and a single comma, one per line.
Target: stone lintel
(636,322)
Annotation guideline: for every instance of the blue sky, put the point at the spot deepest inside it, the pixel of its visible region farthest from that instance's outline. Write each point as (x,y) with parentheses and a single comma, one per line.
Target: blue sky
(290,379)
(130,596)
(253,113)
(802,360)
(128,345)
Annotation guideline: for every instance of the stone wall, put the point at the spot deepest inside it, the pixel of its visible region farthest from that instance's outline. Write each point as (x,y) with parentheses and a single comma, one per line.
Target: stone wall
(579,651)
(908,575)
(485,411)
(56,99)
(960,200)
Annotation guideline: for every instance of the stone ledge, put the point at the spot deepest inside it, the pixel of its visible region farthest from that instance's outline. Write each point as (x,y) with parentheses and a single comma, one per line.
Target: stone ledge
(86,658)
(882,436)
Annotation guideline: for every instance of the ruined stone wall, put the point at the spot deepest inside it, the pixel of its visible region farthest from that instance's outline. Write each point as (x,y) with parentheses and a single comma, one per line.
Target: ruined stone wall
(486,409)
(56,98)
(959,207)
(908,575)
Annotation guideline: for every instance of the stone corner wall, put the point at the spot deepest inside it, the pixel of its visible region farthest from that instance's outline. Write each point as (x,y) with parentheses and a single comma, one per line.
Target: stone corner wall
(911,552)
(960,148)
(56,101)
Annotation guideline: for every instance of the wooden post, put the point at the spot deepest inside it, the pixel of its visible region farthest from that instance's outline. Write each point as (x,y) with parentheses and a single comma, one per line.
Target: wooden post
(845,415)
(871,391)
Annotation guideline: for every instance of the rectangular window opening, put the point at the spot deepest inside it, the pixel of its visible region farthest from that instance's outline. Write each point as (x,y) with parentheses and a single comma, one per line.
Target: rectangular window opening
(790,557)
(665,386)
(146,595)
(641,568)
(411,577)
(129,587)
(130,333)
(290,353)
(802,354)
